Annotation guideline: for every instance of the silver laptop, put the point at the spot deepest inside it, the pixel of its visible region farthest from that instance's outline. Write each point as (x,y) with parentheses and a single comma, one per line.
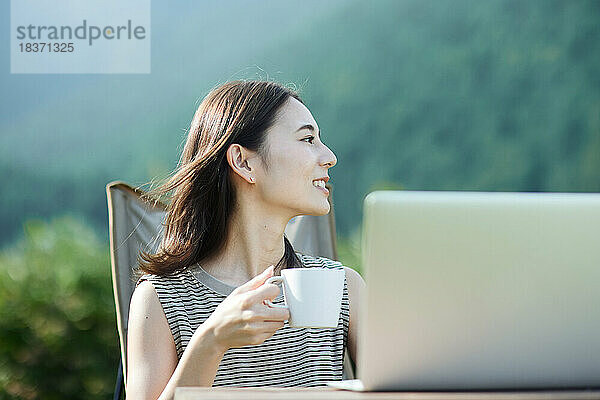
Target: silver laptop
(472,291)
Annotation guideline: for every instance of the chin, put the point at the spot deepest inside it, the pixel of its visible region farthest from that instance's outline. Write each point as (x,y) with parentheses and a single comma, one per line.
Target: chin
(322,210)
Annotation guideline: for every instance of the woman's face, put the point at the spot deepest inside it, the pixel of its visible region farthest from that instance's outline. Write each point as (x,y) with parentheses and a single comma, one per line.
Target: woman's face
(298,163)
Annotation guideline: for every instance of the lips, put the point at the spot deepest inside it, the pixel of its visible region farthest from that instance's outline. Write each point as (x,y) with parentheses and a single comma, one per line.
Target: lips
(325,179)
(320,184)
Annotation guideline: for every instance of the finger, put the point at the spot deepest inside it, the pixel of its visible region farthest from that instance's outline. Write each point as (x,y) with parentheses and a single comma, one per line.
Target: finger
(271,326)
(275,314)
(258,328)
(264,292)
(257,281)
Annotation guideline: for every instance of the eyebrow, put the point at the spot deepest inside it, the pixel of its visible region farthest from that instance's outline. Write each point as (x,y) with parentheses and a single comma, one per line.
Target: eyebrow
(309,127)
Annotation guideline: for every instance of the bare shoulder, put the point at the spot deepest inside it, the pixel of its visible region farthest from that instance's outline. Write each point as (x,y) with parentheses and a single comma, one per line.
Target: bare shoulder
(353,278)
(144,299)
(147,318)
(145,311)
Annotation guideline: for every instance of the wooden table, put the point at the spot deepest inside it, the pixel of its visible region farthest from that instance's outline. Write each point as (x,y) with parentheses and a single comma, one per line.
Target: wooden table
(197,393)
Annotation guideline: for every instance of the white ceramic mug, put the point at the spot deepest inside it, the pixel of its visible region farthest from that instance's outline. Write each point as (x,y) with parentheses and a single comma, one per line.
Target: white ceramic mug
(313,296)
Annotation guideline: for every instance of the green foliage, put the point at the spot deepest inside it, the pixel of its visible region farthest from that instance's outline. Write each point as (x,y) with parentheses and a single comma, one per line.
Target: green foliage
(425,94)
(37,194)
(58,336)
(349,253)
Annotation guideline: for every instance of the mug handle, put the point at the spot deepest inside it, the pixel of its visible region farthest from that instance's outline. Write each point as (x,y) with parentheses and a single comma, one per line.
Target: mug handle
(274,279)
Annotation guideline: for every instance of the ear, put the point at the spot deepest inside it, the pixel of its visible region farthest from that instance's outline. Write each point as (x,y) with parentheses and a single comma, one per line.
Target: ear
(240,161)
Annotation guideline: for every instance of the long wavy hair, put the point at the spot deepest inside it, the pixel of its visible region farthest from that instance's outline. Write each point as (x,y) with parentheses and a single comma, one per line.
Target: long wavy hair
(200,194)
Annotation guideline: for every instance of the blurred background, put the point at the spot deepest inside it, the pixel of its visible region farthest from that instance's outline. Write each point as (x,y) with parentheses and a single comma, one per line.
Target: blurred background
(498,95)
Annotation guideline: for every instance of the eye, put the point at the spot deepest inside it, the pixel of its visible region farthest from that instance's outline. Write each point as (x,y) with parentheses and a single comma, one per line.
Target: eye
(309,139)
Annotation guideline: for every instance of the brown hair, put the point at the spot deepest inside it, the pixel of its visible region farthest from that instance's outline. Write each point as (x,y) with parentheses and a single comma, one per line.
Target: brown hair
(199,210)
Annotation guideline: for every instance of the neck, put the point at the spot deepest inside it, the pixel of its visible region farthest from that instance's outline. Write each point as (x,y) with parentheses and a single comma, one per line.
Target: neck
(254,242)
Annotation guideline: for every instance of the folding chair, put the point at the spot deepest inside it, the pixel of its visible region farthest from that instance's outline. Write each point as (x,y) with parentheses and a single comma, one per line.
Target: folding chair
(135,225)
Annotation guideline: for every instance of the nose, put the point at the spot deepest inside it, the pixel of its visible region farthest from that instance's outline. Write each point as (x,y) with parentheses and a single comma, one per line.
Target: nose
(328,159)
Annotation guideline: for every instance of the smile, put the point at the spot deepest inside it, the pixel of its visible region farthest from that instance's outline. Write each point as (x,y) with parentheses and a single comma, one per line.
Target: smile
(320,184)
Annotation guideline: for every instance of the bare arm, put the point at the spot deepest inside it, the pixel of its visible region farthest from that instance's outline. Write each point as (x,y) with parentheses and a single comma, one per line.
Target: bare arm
(356,286)
(153,370)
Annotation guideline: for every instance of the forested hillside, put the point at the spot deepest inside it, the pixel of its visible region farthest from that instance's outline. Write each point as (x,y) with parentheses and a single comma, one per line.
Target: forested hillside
(500,95)
(494,95)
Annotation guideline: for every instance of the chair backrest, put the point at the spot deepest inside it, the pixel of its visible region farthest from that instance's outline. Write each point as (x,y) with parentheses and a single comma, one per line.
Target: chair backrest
(135,225)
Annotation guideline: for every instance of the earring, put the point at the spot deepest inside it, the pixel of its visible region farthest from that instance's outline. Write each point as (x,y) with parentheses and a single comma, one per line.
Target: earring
(251,180)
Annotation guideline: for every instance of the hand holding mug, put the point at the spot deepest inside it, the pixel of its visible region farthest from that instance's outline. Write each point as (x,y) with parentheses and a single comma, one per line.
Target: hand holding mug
(242,318)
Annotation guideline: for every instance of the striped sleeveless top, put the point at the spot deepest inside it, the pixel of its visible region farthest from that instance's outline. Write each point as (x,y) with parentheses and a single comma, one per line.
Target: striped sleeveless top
(305,357)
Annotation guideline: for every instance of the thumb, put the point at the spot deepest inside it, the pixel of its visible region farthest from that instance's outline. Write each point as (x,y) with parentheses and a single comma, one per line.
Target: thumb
(258,280)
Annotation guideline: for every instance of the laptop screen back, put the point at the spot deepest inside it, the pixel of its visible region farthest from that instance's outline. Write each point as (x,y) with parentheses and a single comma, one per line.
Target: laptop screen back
(472,290)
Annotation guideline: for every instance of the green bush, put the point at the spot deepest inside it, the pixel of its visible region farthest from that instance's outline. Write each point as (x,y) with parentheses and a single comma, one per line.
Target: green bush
(349,252)
(58,335)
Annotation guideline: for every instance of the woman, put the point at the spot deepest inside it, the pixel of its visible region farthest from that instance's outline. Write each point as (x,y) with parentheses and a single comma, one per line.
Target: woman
(253,160)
